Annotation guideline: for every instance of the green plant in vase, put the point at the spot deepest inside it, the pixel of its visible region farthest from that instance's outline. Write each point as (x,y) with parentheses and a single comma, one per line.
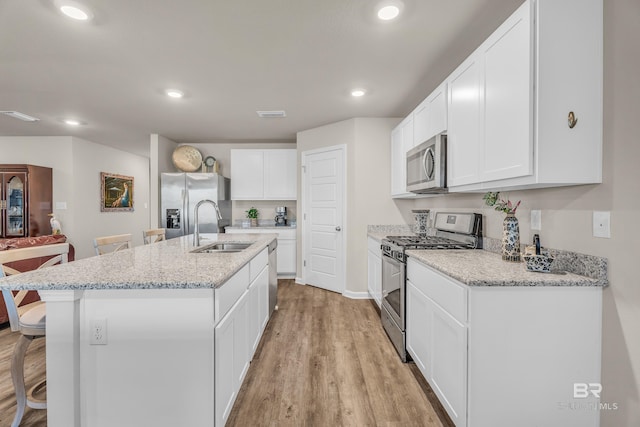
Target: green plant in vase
(252,214)
(510,226)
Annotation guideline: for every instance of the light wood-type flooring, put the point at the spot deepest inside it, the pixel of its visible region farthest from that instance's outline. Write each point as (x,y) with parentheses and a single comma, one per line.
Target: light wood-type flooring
(324,360)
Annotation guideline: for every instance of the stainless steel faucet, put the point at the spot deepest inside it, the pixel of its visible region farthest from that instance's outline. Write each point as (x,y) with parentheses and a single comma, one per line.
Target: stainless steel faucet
(196,230)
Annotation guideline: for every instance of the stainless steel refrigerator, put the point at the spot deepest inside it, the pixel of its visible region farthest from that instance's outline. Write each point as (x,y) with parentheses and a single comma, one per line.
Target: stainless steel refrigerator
(179,194)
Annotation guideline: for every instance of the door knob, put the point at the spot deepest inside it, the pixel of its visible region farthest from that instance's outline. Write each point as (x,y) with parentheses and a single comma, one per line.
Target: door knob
(338,228)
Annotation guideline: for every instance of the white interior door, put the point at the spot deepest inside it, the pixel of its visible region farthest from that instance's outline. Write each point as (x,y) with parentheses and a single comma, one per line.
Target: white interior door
(323,221)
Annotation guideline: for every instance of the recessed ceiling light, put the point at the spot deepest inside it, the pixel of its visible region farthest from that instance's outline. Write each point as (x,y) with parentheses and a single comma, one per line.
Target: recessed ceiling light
(74,10)
(358,92)
(72,122)
(20,116)
(174,93)
(388,12)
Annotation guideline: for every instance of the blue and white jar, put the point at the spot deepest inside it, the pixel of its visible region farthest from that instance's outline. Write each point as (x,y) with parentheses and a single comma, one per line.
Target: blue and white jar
(420,224)
(511,238)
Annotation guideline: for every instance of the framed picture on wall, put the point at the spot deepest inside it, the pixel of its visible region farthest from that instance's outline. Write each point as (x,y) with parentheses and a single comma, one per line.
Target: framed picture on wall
(116,192)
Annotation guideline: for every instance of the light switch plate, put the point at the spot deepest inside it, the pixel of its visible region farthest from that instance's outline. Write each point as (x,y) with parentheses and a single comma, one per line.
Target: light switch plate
(602,224)
(61,206)
(536,220)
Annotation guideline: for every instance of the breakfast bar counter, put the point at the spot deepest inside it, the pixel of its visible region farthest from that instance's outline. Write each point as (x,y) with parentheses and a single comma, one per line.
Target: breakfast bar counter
(153,335)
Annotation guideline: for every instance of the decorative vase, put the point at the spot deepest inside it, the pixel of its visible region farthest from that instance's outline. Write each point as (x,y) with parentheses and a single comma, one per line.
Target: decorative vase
(254,222)
(420,225)
(510,238)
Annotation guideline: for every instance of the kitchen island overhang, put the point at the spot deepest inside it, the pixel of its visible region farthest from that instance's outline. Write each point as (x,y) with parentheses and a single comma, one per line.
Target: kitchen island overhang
(157,307)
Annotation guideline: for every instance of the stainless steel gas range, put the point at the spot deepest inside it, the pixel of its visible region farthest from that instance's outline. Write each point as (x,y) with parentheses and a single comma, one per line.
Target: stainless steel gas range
(451,231)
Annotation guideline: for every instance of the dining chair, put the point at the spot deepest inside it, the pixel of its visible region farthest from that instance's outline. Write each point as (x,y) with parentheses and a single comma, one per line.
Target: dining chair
(153,235)
(29,320)
(108,244)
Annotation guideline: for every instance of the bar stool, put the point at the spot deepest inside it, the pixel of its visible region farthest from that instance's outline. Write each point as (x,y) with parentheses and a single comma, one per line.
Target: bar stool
(29,320)
(148,235)
(108,244)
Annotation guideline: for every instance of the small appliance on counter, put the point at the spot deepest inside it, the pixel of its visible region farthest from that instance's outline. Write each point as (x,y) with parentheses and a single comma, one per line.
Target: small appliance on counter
(281,216)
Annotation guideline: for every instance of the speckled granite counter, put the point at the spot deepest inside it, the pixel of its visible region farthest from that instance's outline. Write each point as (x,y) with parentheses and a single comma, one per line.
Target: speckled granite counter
(379,232)
(262,227)
(163,265)
(483,268)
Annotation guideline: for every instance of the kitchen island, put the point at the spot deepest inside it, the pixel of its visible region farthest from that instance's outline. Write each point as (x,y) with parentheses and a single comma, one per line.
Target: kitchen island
(152,335)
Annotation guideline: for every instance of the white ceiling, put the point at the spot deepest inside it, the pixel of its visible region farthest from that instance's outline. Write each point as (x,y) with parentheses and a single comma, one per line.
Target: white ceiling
(231,59)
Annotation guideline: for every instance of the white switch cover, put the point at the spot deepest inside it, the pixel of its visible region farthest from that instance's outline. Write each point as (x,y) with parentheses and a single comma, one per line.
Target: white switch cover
(536,220)
(602,224)
(61,206)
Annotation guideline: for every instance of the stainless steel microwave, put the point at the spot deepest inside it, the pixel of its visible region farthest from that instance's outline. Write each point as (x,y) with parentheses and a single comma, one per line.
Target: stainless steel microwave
(426,166)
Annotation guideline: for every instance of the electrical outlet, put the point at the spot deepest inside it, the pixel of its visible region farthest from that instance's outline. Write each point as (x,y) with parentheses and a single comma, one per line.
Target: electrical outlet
(536,220)
(602,224)
(98,332)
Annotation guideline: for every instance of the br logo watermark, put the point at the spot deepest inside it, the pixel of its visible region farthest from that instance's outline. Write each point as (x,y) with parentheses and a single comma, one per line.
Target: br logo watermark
(587,391)
(583,390)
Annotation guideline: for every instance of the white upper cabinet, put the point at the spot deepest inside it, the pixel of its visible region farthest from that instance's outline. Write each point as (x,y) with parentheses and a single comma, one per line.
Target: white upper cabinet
(430,117)
(510,102)
(463,139)
(280,175)
(263,174)
(401,142)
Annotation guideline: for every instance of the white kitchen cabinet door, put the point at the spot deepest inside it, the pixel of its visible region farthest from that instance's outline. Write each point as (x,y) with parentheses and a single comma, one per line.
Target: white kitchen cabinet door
(280,174)
(225,357)
(464,119)
(419,328)
(530,86)
(254,330)
(430,117)
(448,360)
(286,257)
(247,174)
(263,301)
(437,116)
(401,142)
(374,277)
(508,100)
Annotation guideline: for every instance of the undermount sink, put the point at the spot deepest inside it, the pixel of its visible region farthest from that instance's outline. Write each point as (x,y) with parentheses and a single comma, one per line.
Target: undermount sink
(222,247)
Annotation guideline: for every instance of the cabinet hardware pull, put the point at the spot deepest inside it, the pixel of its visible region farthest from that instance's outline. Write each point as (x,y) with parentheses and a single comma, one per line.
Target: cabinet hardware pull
(572,120)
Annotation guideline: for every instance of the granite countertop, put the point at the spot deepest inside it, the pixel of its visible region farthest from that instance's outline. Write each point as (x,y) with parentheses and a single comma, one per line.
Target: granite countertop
(487,268)
(261,227)
(379,232)
(164,265)
(483,268)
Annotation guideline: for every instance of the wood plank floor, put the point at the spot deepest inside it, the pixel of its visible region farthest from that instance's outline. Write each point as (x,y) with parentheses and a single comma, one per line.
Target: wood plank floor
(34,371)
(324,360)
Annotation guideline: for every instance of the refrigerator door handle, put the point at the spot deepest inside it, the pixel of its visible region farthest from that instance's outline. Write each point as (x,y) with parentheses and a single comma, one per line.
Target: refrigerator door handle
(185,217)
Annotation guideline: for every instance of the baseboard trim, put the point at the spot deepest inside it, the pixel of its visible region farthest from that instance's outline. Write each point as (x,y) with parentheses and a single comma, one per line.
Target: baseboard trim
(356,295)
(299,281)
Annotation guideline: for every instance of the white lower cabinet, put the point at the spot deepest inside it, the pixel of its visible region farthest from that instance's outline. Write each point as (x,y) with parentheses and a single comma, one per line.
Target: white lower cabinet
(238,333)
(374,271)
(503,356)
(230,358)
(287,247)
(437,342)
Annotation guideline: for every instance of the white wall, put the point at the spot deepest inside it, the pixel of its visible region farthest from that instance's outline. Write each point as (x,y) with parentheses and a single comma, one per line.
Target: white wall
(160,151)
(368,186)
(76,165)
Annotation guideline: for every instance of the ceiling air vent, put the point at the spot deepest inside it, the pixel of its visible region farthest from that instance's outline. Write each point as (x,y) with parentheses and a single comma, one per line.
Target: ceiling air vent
(19,115)
(271,114)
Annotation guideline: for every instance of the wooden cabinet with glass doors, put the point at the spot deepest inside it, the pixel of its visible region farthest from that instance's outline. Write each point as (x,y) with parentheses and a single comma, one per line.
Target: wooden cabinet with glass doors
(25,200)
